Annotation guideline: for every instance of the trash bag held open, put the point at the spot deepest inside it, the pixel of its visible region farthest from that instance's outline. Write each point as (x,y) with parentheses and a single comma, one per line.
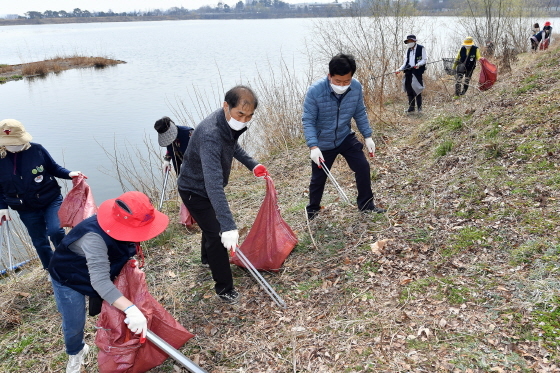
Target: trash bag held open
(78,204)
(488,74)
(270,239)
(120,350)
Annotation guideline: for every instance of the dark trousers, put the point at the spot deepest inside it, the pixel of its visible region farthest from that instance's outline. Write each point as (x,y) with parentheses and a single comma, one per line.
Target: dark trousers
(202,211)
(351,150)
(412,96)
(460,85)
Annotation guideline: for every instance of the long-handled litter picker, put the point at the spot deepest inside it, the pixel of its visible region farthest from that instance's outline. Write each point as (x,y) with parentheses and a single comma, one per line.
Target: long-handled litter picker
(163,189)
(173,353)
(7,229)
(336,185)
(260,280)
(410,68)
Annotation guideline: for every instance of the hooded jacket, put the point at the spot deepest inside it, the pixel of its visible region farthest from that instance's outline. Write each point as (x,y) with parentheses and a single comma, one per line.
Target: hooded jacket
(207,164)
(27,179)
(327,116)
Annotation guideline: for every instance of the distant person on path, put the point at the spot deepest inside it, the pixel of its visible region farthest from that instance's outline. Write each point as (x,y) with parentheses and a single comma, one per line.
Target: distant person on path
(175,139)
(91,256)
(329,106)
(489,49)
(414,65)
(28,186)
(465,63)
(204,175)
(536,28)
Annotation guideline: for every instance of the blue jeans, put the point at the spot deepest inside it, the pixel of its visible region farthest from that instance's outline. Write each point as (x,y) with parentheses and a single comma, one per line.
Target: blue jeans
(42,224)
(72,307)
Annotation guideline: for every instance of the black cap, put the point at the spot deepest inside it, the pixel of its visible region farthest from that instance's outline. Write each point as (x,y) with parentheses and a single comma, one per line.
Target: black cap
(410,37)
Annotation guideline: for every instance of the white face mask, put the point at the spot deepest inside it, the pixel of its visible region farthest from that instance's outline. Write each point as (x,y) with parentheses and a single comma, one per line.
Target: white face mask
(235,124)
(340,89)
(410,45)
(14,148)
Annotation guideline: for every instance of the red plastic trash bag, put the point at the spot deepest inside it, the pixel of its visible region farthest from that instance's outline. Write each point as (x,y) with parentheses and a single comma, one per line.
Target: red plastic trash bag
(544,44)
(78,203)
(186,217)
(270,239)
(120,350)
(488,74)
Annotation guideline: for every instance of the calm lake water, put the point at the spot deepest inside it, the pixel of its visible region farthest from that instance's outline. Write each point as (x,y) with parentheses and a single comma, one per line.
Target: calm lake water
(77,113)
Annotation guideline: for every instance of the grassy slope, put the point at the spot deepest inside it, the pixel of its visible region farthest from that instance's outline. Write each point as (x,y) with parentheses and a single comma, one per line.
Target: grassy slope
(468,281)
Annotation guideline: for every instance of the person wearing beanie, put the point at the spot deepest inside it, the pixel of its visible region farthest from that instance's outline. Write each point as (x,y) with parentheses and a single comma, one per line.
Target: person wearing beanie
(536,28)
(28,186)
(175,139)
(88,260)
(414,65)
(464,65)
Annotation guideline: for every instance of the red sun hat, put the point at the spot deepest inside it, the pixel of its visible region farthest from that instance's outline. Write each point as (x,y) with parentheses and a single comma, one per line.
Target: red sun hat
(131,217)
(547,23)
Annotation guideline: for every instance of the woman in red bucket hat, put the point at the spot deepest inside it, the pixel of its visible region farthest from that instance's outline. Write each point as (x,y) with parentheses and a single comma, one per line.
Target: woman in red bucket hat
(91,256)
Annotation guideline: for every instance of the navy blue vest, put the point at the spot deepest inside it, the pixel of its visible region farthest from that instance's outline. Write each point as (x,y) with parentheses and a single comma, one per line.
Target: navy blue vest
(470,60)
(417,58)
(70,269)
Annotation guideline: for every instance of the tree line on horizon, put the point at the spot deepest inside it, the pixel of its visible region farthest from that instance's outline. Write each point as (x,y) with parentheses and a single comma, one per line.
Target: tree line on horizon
(334,8)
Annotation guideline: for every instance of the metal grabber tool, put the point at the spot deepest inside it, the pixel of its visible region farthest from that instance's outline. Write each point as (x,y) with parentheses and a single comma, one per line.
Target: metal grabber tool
(260,280)
(336,185)
(173,353)
(163,189)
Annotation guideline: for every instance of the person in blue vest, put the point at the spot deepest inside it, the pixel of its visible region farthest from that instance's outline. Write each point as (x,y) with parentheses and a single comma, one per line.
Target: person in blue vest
(537,39)
(414,65)
(28,186)
(329,106)
(91,256)
(464,65)
(175,139)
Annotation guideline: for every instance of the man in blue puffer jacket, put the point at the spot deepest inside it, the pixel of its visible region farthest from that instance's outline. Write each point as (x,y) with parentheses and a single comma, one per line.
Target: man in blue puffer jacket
(329,106)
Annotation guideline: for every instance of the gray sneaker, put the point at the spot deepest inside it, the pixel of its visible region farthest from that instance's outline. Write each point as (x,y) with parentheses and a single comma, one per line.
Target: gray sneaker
(75,362)
(231,297)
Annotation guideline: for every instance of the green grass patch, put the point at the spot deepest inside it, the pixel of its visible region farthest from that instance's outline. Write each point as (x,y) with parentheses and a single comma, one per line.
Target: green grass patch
(526,88)
(467,238)
(547,318)
(444,148)
(448,123)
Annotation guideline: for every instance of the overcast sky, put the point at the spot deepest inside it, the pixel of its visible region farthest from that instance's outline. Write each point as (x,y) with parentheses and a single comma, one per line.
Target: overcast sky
(22,6)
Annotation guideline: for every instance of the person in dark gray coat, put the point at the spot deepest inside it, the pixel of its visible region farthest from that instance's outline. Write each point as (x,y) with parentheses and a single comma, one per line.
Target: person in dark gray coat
(204,175)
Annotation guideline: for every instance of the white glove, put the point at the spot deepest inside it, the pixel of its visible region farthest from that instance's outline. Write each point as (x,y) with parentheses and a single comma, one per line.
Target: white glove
(166,165)
(370,145)
(230,240)
(316,156)
(136,321)
(4,215)
(74,173)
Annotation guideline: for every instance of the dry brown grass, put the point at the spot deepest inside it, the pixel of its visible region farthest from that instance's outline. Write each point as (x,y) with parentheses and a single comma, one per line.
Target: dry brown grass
(430,300)
(56,64)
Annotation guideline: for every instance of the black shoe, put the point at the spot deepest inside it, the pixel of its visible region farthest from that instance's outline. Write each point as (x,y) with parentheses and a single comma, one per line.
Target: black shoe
(376,210)
(410,110)
(231,297)
(204,262)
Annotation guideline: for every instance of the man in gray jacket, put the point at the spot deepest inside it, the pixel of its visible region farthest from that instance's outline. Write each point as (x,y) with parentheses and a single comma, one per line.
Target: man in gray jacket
(204,175)
(329,106)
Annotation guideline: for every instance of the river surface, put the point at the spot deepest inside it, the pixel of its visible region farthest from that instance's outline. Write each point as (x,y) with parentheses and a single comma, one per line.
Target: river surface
(79,114)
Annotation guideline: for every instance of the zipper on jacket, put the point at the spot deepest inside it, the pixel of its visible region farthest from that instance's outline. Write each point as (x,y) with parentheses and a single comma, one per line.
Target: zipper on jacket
(15,158)
(339,101)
